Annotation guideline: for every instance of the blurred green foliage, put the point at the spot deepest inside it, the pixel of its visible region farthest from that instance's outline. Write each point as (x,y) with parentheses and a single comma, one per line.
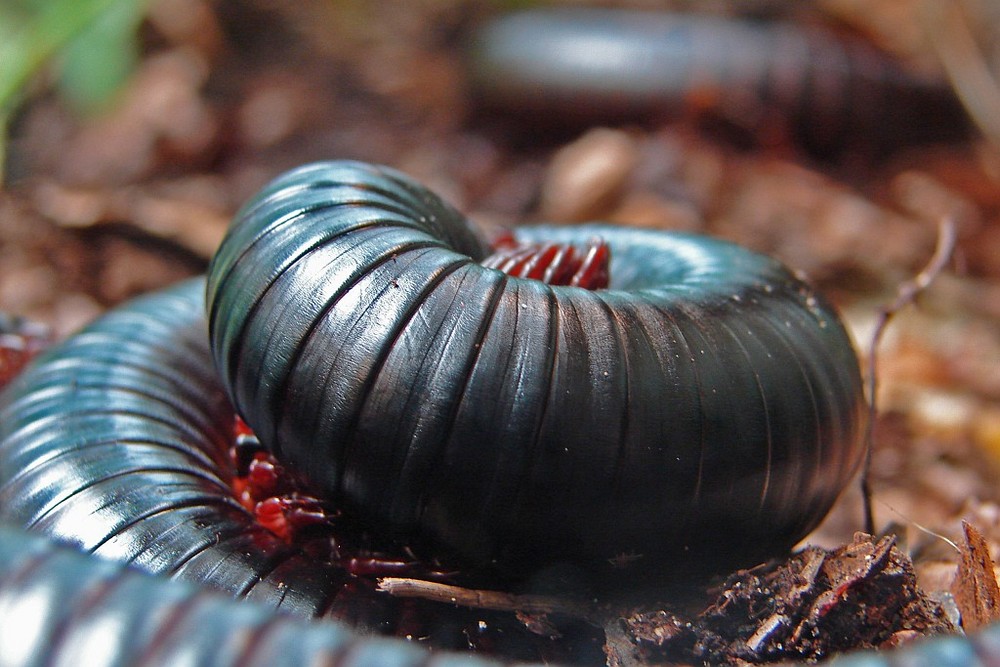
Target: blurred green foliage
(90,44)
(95,63)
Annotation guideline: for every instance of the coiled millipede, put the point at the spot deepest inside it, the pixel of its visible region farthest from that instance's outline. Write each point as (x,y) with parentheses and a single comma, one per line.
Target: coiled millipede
(703,410)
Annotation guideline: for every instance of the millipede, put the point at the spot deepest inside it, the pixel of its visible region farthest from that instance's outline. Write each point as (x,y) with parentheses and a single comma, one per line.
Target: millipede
(686,405)
(828,91)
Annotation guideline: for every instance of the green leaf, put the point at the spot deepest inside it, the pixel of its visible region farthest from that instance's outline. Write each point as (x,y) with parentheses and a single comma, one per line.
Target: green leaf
(36,36)
(95,64)
(32,32)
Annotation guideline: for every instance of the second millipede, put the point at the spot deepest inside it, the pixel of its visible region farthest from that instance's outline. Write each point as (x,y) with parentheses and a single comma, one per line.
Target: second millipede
(829,92)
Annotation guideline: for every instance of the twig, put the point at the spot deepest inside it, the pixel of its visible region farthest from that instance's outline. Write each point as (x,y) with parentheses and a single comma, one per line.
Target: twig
(485,599)
(907,294)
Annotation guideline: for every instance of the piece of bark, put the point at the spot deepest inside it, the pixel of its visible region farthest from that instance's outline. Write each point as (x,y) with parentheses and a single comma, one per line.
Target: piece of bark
(815,604)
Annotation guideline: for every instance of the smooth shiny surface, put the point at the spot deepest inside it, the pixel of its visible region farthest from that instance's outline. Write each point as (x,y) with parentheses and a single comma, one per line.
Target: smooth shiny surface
(705,410)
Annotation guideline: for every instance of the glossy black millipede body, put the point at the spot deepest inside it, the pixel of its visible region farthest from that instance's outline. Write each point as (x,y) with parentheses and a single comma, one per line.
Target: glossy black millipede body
(704,410)
(115,442)
(59,607)
(832,91)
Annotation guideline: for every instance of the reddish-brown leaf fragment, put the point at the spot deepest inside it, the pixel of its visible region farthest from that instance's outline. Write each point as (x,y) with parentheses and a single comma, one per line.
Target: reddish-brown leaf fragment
(975,586)
(539,624)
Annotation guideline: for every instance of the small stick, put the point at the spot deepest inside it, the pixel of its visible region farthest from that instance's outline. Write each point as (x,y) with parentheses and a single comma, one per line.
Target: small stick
(484,599)
(907,294)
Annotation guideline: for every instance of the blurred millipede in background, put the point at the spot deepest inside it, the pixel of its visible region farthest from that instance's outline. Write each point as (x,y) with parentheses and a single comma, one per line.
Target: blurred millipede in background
(828,91)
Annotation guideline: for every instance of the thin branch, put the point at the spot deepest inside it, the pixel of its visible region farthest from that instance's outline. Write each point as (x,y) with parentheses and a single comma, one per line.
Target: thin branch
(907,294)
(484,599)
